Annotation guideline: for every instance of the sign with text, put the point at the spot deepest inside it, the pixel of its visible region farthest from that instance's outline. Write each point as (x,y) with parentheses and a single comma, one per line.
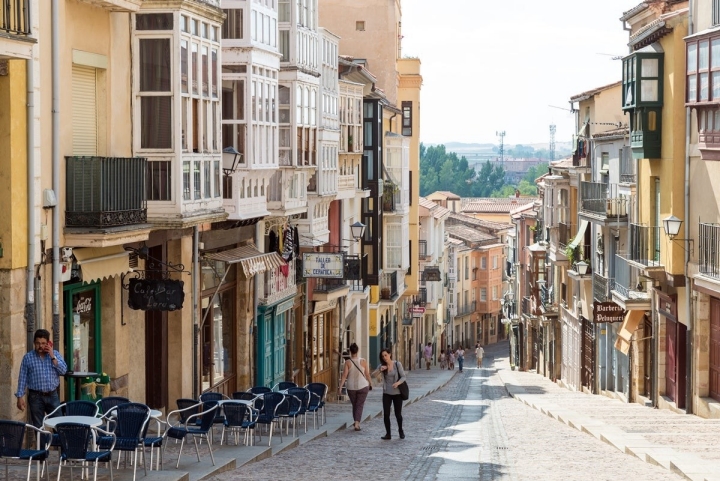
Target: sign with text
(155,295)
(607,312)
(326,265)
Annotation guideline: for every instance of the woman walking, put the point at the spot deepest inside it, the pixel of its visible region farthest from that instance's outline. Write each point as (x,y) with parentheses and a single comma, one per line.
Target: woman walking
(460,356)
(357,374)
(393,375)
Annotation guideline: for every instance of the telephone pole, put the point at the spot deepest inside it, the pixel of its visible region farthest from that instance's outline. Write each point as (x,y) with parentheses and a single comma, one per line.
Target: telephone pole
(552,142)
(501,134)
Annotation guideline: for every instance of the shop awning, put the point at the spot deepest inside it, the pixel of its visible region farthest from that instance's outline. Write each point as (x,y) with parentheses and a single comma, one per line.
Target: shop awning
(577,240)
(97,263)
(250,259)
(628,327)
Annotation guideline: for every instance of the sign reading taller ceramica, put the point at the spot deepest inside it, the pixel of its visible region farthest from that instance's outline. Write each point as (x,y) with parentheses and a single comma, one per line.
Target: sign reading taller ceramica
(607,312)
(324,264)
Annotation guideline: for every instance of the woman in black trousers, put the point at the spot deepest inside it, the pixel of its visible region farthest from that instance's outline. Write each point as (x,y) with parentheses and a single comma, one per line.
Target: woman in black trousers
(393,375)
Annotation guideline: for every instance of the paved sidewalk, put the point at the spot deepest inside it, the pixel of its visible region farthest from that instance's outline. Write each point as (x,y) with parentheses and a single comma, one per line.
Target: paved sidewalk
(685,444)
(338,416)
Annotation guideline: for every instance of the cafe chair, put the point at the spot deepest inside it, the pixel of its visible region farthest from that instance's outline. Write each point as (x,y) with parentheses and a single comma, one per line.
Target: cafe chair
(181,429)
(258,390)
(244,396)
(107,403)
(154,441)
(283,385)
(71,408)
(75,440)
(129,421)
(12,436)
(318,391)
(214,397)
(269,414)
(303,395)
(238,417)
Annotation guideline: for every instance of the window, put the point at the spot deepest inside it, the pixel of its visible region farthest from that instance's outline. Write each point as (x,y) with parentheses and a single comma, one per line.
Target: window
(407,118)
(360,25)
(604,161)
(154,21)
(483,294)
(85,120)
(716,12)
(156,122)
(494,293)
(159,177)
(483,263)
(184,66)
(495,262)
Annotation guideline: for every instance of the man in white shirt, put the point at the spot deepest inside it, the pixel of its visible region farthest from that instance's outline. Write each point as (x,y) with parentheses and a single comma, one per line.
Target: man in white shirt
(479,353)
(427,354)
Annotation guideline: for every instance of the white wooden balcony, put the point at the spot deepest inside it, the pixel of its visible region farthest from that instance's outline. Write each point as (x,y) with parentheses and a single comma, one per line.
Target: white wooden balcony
(277,285)
(313,228)
(244,196)
(287,192)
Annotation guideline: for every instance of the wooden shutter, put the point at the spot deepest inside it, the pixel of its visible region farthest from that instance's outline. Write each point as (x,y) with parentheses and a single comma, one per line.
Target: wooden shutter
(84,111)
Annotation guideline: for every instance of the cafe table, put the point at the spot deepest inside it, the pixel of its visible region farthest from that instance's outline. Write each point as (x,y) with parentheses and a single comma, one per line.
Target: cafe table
(89,420)
(79,376)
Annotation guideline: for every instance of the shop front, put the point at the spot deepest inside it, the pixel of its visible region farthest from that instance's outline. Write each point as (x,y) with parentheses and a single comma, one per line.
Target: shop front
(83,342)
(271,344)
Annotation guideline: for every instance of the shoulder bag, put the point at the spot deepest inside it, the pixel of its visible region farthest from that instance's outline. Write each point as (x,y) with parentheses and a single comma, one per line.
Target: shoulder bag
(403,386)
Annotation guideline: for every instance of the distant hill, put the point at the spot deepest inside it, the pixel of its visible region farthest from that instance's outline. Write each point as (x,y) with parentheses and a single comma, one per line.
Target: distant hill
(462,147)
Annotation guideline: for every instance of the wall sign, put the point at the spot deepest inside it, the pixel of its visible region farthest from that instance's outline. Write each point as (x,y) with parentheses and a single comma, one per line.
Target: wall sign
(325,265)
(155,295)
(607,312)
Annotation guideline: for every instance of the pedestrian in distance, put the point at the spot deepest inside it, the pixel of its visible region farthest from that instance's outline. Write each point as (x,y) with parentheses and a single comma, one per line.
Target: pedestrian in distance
(460,356)
(357,374)
(393,375)
(427,354)
(479,353)
(443,359)
(40,372)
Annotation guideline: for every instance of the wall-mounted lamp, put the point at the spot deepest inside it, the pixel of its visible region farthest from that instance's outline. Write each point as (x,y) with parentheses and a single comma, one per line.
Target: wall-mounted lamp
(357,230)
(236,155)
(581,267)
(671,225)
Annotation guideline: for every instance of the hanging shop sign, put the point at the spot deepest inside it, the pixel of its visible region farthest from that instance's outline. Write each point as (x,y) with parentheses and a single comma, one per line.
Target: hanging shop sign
(324,265)
(417,312)
(432,274)
(155,295)
(607,312)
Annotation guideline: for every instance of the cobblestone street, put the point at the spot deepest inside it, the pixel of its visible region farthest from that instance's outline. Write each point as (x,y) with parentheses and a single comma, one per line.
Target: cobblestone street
(470,429)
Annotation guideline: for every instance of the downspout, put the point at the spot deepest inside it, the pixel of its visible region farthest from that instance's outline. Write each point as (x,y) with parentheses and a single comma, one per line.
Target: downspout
(688,280)
(30,287)
(55,53)
(257,284)
(196,327)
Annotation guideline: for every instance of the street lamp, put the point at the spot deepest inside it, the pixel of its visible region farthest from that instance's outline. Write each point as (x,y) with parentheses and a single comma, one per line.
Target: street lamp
(357,229)
(581,267)
(672,226)
(237,155)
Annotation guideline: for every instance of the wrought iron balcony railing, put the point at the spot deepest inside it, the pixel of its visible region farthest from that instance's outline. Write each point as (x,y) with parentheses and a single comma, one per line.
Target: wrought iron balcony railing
(421,298)
(422,245)
(105,191)
(600,288)
(389,286)
(595,199)
(644,244)
(564,234)
(15,17)
(355,268)
(623,274)
(329,285)
(709,250)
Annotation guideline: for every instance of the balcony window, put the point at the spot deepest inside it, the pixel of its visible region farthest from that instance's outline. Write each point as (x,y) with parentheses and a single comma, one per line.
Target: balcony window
(184,66)
(642,98)
(407,118)
(154,21)
(233,26)
(483,294)
(156,122)
(703,90)
(159,180)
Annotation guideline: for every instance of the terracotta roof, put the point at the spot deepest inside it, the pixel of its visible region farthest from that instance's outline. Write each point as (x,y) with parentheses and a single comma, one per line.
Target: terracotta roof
(446,194)
(566,162)
(522,209)
(468,234)
(456,218)
(593,92)
(495,205)
(655,30)
(633,11)
(436,210)
(621,132)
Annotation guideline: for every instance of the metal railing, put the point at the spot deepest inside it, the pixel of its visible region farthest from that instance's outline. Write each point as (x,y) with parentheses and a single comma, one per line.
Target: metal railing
(422,246)
(709,249)
(389,197)
(594,198)
(389,285)
(421,298)
(329,285)
(466,308)
(15,17)
(644,244)
(622,277)
(627,167)
(600,288)
(355,269)
(528,306)
(105,191)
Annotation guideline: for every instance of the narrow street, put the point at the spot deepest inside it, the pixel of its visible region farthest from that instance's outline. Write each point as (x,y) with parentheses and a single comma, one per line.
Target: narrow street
(470,429)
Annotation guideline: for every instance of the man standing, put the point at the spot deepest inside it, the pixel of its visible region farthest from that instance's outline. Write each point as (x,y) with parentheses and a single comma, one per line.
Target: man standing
(427,354)
(40,373)
(479,353)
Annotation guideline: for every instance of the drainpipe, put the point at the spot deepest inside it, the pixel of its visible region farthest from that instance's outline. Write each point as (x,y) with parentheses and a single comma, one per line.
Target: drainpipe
(194,292)
(30,293)
(688,280)
(55,53)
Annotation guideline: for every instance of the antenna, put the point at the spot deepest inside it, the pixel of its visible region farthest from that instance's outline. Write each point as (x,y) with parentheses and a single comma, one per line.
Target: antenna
(501,134)
(552,142)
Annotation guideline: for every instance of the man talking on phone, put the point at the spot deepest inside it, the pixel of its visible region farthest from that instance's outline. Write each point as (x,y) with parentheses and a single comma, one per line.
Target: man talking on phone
(40,373)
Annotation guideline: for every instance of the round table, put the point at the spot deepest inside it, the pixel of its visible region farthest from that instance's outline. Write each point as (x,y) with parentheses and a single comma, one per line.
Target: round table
(89,420)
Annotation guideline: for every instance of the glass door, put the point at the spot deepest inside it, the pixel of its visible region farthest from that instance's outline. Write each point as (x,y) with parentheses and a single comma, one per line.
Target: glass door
(83,349)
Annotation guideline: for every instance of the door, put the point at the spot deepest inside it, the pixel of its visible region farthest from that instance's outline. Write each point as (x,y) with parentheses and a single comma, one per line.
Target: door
(265,346)
(279,348)
(647,357)
(670,359)
(715,348)
(588,355)
(83,347)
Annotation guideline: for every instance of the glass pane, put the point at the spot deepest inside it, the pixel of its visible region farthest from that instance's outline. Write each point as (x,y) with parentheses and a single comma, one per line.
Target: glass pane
(691,57)
(184,66)
(716,86)
(197,186)
(154,21)
(715,53)
(704,86)
(649,90)
(207,179)
(156,122)
(214,73)
(692,88)
(84,305)
(155,65)
(717,121)
(205,71)
(216,178)
(193,67)
(186,180)
(703,54)
(650,67)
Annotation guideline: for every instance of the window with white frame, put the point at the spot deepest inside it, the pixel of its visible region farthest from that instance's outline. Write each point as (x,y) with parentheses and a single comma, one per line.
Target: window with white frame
(394,246)
(495,262)
(483,263)
(483,294)
(494,293)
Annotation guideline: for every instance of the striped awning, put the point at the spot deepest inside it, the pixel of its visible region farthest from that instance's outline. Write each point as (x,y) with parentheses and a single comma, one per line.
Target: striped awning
(98,263)
(252,260)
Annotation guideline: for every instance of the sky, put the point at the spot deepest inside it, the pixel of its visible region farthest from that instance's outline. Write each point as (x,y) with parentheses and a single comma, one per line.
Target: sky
(490,66)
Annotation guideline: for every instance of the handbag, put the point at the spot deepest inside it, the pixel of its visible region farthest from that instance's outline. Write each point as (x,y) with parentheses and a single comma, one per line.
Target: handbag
(363,374)
(403,387)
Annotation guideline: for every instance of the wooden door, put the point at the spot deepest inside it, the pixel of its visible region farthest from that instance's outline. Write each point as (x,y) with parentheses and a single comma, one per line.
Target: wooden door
(588,355)
(671,359)
(647,357)
(715,348)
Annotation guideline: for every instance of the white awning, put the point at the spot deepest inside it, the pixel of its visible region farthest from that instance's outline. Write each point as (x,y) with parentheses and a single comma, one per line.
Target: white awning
(577,240)
(252,260)
(628,327)
(97,263)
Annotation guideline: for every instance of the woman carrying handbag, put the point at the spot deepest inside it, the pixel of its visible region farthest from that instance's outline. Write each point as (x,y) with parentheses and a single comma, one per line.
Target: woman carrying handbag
(357,374)
(393,375)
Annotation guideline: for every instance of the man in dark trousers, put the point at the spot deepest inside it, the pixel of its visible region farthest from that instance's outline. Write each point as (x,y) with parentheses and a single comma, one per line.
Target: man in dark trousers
(40,373)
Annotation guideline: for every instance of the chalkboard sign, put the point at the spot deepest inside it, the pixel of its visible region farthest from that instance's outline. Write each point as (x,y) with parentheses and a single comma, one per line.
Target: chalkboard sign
(156,295)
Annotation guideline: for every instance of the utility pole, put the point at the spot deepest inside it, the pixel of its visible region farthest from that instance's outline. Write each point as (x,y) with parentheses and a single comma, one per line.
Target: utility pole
(552,142)
(501,134)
